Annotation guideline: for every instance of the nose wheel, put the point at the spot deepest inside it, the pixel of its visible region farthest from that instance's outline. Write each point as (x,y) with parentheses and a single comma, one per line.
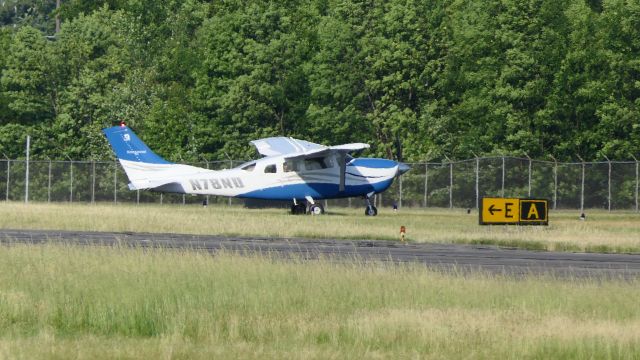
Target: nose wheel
(370,210)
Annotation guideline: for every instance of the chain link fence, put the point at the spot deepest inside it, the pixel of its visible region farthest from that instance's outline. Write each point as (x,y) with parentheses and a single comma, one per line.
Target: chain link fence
(609,185)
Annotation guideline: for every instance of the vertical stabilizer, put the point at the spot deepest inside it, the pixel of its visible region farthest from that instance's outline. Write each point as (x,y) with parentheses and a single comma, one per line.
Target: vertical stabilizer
(144,168)
(127,146)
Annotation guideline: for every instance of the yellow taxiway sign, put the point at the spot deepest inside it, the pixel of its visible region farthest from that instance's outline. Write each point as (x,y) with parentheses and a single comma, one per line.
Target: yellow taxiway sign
(513,211)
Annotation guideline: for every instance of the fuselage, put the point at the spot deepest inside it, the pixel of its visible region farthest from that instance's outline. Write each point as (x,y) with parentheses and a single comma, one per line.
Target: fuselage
(277,178)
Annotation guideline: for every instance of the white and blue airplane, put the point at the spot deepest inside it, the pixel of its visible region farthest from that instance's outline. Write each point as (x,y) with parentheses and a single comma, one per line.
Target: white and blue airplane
(294,170)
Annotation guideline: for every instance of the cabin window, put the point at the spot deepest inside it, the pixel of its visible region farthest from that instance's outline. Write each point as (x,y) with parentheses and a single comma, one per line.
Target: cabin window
(270,169)
(328,162)
(249,167)
(318,163)
(291,166)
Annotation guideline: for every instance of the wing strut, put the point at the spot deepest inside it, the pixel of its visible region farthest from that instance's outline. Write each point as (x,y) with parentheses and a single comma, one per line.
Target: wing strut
(343,169)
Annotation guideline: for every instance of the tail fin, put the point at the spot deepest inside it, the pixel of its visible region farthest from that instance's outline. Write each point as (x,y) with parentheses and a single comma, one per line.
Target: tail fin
(144,168)
(127,146)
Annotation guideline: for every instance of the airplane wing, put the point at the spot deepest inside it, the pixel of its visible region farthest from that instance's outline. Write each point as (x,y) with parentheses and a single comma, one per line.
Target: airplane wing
(326,150)
(283,145)
(294,148)
(299,149)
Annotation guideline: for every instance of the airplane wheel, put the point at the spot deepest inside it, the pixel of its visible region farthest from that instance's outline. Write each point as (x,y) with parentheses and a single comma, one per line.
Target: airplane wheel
(316,209)
(299,209)
(371,211)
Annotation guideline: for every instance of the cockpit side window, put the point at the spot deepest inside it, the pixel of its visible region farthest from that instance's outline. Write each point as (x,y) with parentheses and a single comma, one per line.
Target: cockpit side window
(249,167)
(291,165)
(270,169)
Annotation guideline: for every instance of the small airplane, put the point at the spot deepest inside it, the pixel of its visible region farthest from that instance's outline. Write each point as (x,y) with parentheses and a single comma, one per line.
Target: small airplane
(294,170)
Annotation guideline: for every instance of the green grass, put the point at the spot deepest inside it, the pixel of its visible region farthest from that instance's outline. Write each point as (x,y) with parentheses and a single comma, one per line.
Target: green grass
(60,301)
(602,231)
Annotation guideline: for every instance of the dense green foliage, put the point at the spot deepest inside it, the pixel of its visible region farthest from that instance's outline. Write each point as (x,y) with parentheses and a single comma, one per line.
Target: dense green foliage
(415,79)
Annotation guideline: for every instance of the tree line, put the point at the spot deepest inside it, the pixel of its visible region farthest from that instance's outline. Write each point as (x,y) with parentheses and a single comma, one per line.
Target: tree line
(418,80)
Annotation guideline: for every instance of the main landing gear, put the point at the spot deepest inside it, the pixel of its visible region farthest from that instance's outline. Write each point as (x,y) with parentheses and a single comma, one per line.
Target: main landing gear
(371,209)
(301,208)
(298,209)
(317,208)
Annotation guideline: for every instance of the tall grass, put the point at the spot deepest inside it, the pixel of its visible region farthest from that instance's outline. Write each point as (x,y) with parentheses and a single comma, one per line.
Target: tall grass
(602,231)
(61,301)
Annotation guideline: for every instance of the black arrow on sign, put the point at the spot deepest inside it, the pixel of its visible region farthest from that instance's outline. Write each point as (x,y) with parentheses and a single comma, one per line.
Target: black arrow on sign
(492,209)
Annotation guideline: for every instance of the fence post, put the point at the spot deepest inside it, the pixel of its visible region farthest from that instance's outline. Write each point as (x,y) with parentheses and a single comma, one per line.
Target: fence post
(26,172)
(608,184)
(49,183)
(8,176)
(71,182)
(70,178)
(426,182)
(503,171)
(93,181)
(529,191)
(477,180)
(555,182)
(634,158)
(137,197)
(477,183)
(582,187)
(450,182)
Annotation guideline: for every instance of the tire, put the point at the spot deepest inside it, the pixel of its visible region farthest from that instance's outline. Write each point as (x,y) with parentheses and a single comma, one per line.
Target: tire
(371,211)
(316,209)
(299,209)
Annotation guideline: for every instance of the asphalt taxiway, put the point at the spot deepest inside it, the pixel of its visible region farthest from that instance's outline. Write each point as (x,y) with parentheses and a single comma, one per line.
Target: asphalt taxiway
(446,257)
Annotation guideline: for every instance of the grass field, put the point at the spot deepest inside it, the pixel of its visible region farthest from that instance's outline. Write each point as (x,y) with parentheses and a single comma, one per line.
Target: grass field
(602,231)
(60,301)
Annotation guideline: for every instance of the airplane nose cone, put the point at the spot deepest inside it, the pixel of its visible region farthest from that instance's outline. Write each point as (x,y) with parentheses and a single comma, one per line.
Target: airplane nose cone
(403,168)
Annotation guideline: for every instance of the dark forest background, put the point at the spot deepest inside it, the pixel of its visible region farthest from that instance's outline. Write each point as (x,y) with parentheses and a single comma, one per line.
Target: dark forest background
(417,80)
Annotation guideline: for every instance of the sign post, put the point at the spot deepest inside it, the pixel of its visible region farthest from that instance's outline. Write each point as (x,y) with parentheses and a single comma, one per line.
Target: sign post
(514,211)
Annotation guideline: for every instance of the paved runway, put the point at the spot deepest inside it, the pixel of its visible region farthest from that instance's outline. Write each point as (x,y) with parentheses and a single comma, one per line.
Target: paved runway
(448,257)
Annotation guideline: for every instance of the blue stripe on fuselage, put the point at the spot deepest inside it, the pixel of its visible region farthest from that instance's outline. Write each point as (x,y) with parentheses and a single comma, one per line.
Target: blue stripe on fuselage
(316,191)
